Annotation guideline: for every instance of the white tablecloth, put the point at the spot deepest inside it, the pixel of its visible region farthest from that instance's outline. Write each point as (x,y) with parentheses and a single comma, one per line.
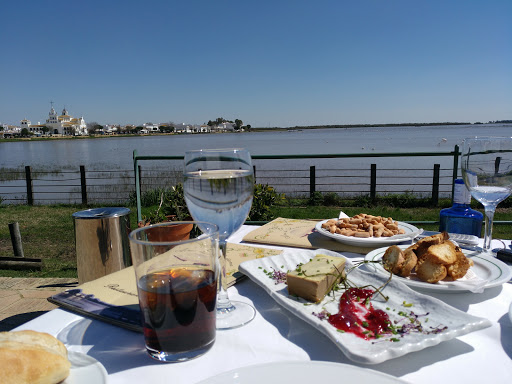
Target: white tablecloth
(276,335)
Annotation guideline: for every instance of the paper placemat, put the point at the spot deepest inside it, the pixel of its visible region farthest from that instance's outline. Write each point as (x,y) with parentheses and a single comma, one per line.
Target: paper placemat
(113,298)
(299,233)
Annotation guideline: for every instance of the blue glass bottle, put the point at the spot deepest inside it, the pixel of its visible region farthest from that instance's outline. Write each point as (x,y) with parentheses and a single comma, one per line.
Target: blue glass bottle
(460,218)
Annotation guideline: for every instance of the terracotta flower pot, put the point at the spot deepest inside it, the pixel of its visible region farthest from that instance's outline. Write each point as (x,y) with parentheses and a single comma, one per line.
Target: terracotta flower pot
(170,233)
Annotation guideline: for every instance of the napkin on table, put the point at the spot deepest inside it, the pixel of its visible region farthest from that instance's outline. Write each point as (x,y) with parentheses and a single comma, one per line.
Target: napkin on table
(471,281)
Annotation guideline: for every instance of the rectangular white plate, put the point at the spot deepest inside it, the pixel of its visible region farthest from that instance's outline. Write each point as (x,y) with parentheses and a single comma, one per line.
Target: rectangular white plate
(359,350)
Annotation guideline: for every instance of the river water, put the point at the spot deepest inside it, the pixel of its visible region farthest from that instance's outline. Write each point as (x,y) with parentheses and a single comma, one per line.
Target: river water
(116,153)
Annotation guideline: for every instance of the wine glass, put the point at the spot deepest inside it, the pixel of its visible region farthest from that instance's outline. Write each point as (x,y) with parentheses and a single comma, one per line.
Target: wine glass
(218,188)
(487,171)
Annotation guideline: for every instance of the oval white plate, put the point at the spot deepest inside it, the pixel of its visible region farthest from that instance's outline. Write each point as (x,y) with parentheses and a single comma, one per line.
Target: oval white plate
(302,372)
(494,271)
(85,370)
(370,241)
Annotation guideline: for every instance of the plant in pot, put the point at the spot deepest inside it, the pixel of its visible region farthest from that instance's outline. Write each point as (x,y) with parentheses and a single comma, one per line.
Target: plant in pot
(172,207)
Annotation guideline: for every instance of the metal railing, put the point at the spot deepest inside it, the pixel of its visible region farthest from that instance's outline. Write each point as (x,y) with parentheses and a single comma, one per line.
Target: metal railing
(283,177)
(294,175)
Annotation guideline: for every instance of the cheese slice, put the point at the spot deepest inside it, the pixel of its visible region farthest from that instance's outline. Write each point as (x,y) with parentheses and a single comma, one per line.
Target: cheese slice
(313,280)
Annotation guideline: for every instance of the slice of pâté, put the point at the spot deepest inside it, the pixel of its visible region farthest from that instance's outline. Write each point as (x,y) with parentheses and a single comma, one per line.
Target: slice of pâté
(313,280)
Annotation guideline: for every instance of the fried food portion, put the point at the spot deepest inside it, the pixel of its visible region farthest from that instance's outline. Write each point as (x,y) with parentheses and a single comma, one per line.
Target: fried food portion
(393,259)
(443,253)
(431,259)
(460,267)
(431,272)
(422,246)
(399,262)
(410,261)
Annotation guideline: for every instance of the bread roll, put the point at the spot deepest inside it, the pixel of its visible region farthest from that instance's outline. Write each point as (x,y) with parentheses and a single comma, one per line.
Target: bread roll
(30,357)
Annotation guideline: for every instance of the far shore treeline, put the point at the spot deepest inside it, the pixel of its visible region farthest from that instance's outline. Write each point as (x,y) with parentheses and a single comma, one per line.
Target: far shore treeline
(266,129)
(376,125)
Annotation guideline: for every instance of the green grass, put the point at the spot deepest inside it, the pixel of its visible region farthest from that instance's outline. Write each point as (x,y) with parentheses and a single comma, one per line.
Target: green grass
(47,232)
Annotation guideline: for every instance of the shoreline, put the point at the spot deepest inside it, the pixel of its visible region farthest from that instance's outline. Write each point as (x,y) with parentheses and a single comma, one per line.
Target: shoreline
(256,129)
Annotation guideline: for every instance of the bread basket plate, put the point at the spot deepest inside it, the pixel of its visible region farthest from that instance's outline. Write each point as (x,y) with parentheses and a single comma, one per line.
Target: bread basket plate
(491,271)
(357,349)
(302,372)
(85,370)
(410,232)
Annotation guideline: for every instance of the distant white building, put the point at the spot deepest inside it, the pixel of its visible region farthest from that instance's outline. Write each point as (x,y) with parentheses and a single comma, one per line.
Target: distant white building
(182,128)
(10,131)
(111,129)
(36,129)
(224,127)
(204,128)
(65,124)
(150,127)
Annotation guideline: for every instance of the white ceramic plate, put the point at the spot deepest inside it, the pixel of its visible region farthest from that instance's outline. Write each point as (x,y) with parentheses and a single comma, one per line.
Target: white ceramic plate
(409,229)
(85,370)
(487,268)
(355,348)
(302,372)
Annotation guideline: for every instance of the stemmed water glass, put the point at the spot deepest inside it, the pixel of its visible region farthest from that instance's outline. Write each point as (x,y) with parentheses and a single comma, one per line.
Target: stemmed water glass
(218,188)
(487,171)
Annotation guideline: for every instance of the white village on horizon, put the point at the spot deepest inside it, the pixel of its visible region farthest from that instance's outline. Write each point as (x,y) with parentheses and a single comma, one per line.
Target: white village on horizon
(67,125)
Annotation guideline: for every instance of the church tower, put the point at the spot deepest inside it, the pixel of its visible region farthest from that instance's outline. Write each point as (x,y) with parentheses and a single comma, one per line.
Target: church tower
(52,116)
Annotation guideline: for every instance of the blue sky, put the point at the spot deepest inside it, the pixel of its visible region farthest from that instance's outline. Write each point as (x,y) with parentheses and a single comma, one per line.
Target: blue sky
(266,62)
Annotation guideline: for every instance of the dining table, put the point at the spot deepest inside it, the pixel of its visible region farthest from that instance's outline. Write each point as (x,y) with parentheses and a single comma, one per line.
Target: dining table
(277,336)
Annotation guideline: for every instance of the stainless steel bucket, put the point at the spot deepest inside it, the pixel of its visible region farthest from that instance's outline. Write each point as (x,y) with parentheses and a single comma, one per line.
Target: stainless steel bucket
(101,240)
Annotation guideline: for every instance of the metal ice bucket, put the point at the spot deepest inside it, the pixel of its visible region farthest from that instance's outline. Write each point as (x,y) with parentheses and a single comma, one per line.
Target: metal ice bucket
(101,241)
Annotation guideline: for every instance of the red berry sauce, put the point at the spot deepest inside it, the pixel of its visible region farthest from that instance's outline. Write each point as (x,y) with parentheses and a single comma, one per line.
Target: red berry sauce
(357,315)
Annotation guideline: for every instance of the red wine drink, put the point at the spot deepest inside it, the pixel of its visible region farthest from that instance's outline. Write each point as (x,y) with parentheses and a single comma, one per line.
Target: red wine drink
(178,310)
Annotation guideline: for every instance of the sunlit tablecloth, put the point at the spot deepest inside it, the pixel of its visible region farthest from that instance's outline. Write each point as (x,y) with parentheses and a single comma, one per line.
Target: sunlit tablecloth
(276,335)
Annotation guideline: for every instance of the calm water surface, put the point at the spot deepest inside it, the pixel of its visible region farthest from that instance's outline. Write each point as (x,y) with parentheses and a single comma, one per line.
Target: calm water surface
(117,152)
(346,175)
